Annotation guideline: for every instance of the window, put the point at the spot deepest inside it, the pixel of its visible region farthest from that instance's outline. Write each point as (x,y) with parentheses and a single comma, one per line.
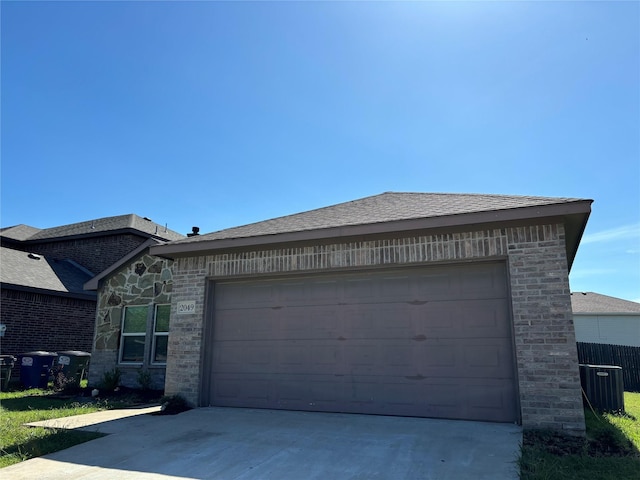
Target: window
(145,339)
(134,331)
(160,334)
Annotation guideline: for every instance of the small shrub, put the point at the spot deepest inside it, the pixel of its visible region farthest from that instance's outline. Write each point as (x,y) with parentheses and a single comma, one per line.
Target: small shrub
(111,379)
(144,379)
(172,404)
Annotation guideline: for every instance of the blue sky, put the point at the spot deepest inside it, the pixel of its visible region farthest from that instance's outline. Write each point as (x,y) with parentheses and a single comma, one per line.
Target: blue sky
(219,114)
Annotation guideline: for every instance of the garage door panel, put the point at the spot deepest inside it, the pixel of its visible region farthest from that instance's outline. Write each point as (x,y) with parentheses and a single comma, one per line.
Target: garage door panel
(426,342)
(312,322)
(393,288)
(375,321)
(434,286)
(254,358)
(245,324)
(482,283)
(363,356)
(364,394)
(251,295)
(471,318)
(482,318)
(492,401)
(234,390)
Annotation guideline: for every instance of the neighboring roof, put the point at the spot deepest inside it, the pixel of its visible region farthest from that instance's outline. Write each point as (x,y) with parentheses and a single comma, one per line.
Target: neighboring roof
(94,283)
(589,302)
(110,225)
(390,212)
(18,232)
(28,271)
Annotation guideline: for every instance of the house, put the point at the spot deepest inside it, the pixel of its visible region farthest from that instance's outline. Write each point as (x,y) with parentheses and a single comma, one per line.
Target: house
(606,320)
(608,333)
(435,305)
(43,303)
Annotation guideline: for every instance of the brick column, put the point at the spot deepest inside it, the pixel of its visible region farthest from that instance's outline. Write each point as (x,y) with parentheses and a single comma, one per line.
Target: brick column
(546,352)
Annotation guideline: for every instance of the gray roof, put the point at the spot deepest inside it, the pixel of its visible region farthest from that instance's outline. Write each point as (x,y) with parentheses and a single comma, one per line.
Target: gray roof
(31,271)
(18,232)
(386,207)
(589,302)
(388,214)
(130,222)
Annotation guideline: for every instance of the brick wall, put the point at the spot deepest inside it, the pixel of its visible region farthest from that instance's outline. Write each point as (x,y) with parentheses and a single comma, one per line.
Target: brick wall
(45,322)
(547,366)
(94,253)
(546,352)
(184,368)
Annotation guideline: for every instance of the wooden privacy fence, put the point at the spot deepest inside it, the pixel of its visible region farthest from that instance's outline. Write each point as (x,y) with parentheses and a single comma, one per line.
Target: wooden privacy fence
(623,356)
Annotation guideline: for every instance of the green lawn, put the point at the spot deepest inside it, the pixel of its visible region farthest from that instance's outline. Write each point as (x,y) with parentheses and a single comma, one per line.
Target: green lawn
(18,443)
(611,450)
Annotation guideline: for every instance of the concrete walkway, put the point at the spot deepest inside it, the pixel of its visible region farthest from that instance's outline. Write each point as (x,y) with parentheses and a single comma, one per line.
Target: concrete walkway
(240,444)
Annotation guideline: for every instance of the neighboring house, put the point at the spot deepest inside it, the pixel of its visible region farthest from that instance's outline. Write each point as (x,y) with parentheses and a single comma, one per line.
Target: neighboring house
(42,272)
(434,305)
(608,333)
(43,303)
(94,244)
(132,318)
(607,320)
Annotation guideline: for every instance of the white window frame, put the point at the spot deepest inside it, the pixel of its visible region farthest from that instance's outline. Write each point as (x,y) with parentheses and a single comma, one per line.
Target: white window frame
(155,334)
(124,335)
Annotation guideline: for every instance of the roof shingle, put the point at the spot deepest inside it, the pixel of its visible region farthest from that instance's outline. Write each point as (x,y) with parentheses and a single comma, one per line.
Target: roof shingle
(23,269)
(18,232)
(590,302)
(92,227)
(386,207)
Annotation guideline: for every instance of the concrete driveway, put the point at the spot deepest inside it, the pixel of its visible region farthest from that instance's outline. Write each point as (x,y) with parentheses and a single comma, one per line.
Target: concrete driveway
(234,443)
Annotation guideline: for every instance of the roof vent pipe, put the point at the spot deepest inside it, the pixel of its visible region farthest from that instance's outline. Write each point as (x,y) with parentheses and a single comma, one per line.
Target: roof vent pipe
(195,231)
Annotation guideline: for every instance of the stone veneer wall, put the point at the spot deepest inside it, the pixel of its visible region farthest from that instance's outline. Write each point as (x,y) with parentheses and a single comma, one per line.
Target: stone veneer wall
(546,355)
(146,280)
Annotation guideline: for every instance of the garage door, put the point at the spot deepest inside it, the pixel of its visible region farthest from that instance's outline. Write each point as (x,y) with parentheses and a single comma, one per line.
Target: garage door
(432,342)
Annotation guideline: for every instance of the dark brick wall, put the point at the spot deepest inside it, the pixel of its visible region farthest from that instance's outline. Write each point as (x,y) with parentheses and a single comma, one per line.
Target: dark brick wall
(94,253)
(45,322)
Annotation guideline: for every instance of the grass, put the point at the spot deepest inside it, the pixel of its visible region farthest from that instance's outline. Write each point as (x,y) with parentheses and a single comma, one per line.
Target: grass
(19,443)
(611,450)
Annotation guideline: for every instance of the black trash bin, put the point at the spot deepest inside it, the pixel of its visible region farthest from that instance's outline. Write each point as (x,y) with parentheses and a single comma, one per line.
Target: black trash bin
(6,365)
(73,365)
(35,368)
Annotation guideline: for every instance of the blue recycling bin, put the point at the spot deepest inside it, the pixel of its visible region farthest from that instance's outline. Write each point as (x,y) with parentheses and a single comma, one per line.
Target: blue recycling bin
(35,368)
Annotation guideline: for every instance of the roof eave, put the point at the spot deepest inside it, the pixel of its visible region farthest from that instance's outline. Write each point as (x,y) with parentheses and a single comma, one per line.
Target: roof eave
(44,291)
(101,233)
(578,211)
